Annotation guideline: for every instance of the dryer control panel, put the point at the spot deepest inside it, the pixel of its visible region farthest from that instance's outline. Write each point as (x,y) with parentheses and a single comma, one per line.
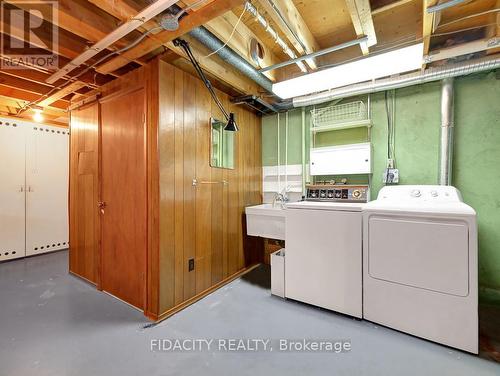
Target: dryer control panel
(337,193)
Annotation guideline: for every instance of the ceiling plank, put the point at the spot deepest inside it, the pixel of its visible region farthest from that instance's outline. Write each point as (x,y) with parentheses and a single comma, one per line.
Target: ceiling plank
(223,26)
(193,20)
(391,6)
(293,26)
(362,21)
(20,83)
(71,88)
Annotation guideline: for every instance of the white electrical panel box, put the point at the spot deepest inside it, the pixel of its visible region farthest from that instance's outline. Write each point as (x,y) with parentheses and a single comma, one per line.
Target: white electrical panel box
(342,160)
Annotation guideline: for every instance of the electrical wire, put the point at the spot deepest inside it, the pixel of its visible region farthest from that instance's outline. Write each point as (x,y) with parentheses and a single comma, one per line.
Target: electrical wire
(230,35)
(466,29)
(468,17)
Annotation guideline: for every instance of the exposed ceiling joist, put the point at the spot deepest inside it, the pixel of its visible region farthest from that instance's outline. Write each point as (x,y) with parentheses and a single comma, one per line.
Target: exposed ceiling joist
(109,39)
(195,19)
(362,21)
(290,22)
(20,83)
(427,26)
(61,93)
(212,65)
(27,97)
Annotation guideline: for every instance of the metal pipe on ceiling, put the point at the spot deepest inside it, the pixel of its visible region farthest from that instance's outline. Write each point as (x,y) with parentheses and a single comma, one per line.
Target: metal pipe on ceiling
(325,51)
(429,75)
(447,130)
(442,6)
(265,24)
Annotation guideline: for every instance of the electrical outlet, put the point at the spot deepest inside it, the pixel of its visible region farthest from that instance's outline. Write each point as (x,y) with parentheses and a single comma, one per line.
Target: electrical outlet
(191,265)
(390,176)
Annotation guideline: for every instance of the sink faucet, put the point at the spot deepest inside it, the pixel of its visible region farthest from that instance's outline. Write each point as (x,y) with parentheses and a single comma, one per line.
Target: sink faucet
(281,197)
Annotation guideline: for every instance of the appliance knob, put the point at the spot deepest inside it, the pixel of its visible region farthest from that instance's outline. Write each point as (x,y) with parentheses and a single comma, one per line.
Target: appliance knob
(416,193)
(434,193)
(356,193)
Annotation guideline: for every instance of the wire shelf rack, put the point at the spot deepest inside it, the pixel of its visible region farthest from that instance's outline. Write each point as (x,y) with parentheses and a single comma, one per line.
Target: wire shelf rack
(340,116)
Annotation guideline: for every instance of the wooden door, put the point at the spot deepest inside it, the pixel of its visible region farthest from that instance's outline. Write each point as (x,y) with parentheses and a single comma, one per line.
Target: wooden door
(124,194)
(84,193)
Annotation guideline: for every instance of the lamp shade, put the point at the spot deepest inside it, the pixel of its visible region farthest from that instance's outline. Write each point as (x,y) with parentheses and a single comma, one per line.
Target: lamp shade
(231,124)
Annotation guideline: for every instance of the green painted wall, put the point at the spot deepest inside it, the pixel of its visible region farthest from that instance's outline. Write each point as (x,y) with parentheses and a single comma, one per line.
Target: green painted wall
(476,168)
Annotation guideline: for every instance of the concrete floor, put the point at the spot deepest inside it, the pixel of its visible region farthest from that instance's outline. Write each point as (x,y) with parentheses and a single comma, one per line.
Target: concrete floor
(54,324)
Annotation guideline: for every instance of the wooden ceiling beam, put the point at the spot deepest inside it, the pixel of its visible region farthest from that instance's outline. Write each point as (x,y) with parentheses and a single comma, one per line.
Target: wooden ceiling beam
(89,22)
(427,26)
(27,96)
(193,20)
(15,104)
(362,20)
(71,88)
(7,111)
(214,67)
(20,83)
(293,26)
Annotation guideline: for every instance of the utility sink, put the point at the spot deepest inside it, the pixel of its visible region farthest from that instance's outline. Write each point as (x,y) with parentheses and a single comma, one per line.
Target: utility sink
(266,221)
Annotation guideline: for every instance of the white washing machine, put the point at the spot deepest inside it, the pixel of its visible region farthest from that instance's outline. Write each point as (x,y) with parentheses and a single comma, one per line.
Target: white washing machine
(324,247)
(420,264)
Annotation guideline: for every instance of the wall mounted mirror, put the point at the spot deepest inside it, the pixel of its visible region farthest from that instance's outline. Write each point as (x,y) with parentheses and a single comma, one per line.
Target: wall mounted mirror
(222,145)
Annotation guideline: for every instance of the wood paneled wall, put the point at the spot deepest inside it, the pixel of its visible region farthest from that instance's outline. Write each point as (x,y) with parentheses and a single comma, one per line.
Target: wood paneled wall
(204,222)
(83,193)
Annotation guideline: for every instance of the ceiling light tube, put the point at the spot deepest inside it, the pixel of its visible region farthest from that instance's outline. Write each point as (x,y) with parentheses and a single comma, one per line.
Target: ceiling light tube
(142,17)
(386,64)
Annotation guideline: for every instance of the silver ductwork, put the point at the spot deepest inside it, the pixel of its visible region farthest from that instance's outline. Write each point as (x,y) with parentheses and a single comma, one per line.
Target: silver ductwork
(429,75)
(208,39)
(447,128)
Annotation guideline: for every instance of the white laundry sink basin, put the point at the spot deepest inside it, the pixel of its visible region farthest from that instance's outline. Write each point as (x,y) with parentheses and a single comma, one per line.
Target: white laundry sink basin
(266,221)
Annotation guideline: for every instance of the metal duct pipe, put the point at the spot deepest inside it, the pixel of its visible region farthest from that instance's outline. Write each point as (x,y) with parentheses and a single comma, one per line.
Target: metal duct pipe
(429,75)
(205,37)
(447,127)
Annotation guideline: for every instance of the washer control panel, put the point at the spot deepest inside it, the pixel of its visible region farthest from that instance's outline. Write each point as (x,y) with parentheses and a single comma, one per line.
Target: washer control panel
(337,193)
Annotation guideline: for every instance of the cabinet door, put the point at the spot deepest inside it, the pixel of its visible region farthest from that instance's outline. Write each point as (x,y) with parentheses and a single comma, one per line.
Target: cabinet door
(323,259)
(12,191)
(47,161)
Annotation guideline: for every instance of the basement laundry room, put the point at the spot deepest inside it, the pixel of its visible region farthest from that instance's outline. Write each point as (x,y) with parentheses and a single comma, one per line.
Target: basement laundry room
(275,187)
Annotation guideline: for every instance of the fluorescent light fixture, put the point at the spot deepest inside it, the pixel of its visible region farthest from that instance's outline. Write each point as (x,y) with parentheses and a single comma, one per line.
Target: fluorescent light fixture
(372,67)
